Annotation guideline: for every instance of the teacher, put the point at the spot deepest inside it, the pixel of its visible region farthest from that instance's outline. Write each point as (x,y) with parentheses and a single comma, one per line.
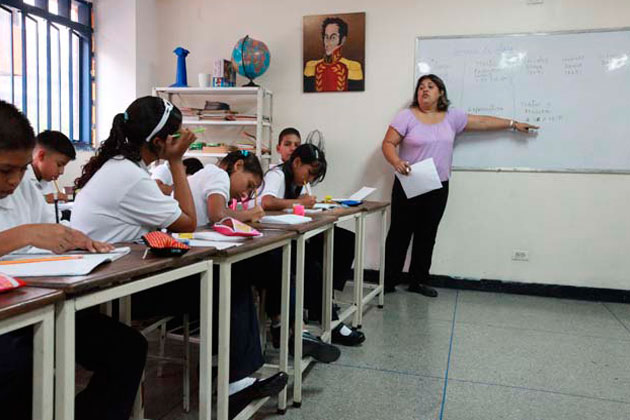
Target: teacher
(426,129)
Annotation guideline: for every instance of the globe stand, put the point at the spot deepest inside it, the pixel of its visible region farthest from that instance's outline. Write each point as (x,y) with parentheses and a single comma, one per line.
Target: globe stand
(251,84)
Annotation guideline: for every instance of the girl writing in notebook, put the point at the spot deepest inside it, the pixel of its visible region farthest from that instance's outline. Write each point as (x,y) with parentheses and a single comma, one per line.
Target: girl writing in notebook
(289,184)
(119,202)
(218,188)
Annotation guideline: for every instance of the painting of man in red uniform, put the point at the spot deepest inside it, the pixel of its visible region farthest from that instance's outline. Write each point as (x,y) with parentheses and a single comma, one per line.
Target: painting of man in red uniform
(334,53)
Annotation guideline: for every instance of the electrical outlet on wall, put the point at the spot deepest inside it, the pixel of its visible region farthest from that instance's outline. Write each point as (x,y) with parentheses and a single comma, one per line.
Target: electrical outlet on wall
(534,1)
(520,255)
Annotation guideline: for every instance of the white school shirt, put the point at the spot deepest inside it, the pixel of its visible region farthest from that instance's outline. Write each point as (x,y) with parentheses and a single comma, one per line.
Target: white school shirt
(121,202)
(204,183)
(44,187)
(26,205)
(163,173)
(274,183)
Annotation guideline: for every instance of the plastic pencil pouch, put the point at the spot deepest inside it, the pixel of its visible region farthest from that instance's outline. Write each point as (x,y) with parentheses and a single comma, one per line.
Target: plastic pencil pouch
(9,283)
(164,245)
(231,227)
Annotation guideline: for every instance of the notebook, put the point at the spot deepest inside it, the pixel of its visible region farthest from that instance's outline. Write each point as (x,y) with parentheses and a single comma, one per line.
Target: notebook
(46,263)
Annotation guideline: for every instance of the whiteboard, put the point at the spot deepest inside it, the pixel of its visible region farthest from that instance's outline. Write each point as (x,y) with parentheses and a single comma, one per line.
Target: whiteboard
(575,85)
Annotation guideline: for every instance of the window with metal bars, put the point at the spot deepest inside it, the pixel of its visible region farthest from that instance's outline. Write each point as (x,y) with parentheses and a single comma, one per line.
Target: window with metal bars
(47,64)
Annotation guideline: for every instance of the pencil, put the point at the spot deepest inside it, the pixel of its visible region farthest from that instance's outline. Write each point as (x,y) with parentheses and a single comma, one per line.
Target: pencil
(255,197)
(56,186)
(36,260)
(196,131)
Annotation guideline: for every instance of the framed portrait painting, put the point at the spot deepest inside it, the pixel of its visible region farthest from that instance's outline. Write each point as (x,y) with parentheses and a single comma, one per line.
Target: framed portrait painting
(334,53)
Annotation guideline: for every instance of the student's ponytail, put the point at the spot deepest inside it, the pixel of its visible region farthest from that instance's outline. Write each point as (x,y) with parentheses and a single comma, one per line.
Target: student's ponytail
(308,154)
(129,134)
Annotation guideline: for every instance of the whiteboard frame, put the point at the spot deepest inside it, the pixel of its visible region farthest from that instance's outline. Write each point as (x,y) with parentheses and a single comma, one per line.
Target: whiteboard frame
(522,169)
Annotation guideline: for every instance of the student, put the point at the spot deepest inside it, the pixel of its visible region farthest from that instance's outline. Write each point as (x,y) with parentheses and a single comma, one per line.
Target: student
(164,178)
(114,352)
(284,188)
(53,151)
(215,188)
(288,140)
(120,202)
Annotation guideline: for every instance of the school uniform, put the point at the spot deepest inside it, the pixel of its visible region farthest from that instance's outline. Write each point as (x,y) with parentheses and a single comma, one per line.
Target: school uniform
(343,248)
(44,187)
(163,173)
(120,203)
(114,352)
(208,181)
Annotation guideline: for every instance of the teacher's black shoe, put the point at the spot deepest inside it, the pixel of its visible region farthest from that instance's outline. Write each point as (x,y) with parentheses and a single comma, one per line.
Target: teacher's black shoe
(423,290)
(260,389)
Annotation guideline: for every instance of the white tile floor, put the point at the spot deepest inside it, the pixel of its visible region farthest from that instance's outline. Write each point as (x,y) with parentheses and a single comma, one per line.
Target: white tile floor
(463,356)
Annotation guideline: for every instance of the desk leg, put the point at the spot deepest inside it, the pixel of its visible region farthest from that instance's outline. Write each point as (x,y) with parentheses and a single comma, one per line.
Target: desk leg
(381,271)
(359,239)
(329,237)
(223,378)
(64,359)
(297,329)
(43,350)
(205,346)
(284,323)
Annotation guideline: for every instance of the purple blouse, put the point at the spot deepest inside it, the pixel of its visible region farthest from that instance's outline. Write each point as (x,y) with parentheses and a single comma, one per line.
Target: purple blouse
(422,141)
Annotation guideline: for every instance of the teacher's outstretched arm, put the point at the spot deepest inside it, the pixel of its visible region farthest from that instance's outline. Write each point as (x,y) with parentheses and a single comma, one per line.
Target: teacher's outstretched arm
(390,143)
(487,123)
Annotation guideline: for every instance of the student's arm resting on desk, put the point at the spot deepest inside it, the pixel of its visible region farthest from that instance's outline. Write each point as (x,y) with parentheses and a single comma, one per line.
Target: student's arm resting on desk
(487,123)
(55,238)
(269,202)
(391,141)
(217,210)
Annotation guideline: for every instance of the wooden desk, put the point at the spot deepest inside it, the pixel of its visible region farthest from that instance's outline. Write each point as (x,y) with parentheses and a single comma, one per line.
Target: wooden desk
(120,279)
(322,223)
(34,306)
(272,239)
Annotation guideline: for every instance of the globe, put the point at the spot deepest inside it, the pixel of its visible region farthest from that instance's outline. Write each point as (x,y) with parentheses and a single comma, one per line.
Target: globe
(250,58)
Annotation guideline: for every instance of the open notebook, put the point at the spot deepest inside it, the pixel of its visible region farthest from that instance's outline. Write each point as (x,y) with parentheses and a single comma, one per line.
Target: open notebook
(45,263)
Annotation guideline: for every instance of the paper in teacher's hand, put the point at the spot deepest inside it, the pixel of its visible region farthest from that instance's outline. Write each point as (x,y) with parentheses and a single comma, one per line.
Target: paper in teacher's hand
(422,179)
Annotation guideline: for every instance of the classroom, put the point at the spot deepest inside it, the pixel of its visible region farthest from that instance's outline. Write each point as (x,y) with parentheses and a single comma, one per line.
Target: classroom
(496,287)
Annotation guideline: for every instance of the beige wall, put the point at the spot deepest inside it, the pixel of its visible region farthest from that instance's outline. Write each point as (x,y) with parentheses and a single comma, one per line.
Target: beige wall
(575,227)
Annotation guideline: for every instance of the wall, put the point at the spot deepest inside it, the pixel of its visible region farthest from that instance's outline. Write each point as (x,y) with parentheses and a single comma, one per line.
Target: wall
(574,226)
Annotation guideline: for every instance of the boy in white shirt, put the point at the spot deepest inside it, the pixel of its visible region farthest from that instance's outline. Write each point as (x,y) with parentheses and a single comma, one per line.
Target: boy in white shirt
(116,353)
(52,153)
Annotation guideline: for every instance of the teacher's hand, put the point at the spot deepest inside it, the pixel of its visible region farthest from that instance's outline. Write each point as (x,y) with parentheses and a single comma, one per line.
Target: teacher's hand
(524,127)
(402,167)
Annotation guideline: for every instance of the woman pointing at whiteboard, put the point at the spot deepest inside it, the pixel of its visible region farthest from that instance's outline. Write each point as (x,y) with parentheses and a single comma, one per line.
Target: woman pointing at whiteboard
(425,130)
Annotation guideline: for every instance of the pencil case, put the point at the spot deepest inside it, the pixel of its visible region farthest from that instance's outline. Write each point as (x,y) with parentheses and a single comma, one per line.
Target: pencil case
(164,245)
(350,203)
(231,227)
(9,283)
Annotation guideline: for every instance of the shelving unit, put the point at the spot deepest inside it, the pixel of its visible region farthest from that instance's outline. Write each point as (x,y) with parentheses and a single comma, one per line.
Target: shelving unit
(259,97)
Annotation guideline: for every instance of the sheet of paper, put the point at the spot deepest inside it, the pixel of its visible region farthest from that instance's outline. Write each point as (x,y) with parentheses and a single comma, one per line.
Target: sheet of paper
(216,236)
(422,178)
(360,195)
(325,206)
(81,266)
(285,219)
(216,244)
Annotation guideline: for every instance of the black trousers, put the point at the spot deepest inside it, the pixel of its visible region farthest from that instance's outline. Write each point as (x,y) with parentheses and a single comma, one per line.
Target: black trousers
(420,217)
(182,296)
(343,256)
(115,353)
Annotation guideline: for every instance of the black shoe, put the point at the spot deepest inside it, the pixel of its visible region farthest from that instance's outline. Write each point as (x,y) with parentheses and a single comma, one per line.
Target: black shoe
(314,346)
(259,389)
(422,289)
(355,338)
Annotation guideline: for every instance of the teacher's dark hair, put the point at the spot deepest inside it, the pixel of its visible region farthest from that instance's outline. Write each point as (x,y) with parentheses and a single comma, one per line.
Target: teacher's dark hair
(343,26)
(443,102)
